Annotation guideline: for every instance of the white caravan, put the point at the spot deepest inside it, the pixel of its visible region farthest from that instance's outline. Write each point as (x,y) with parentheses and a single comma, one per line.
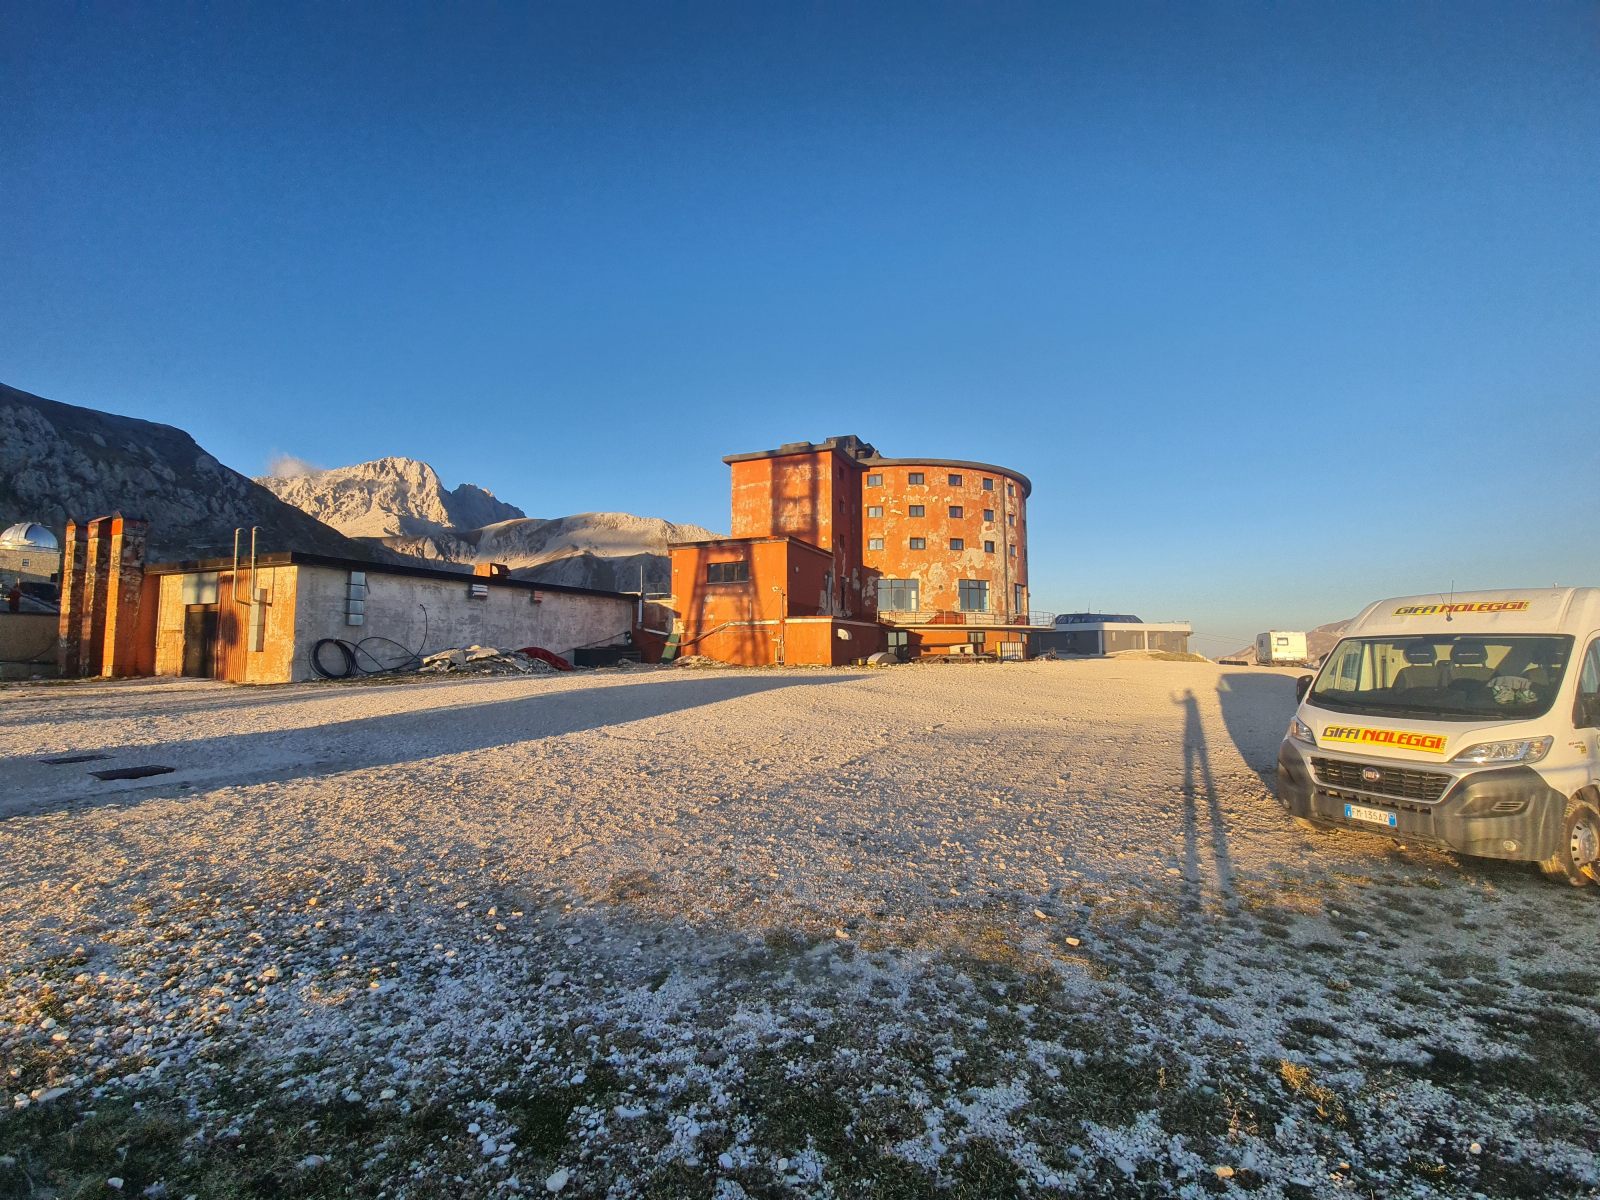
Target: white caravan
(1280,648)
(1469,722)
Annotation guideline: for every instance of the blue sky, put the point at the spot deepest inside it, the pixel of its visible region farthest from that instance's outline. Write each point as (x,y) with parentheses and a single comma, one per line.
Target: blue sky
(1282,307)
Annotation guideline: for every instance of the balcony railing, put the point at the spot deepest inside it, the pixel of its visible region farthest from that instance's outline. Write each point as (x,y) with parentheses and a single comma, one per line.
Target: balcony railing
(948,616)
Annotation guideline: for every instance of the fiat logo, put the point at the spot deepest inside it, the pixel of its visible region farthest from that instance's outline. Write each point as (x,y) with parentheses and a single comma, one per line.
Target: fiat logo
(1371,774)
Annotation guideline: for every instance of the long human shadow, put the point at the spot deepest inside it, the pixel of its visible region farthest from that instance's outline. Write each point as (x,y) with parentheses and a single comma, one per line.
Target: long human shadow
(1256,707)
(385,740)
(1200,792)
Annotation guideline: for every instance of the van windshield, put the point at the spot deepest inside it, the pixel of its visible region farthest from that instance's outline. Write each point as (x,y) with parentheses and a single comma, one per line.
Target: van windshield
(1459,677)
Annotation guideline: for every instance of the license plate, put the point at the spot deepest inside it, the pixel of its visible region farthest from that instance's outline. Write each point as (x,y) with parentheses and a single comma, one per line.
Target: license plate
(1360,812)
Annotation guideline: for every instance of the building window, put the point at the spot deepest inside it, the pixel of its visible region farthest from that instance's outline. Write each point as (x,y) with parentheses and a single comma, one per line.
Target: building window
(1016,598)
(898,595)
(919,543)
(988,547)
(958,543)
(972,595)
(955,481)
(988,485)
(355,598)
(916,510)
(874,543)
(728,572)
(898,643)
(200,588)
(874,480)
(1013,549)
(1011,489)
(988,514)
(957,512)
(914,478)
(1011,518)
(976,637)
(874,510)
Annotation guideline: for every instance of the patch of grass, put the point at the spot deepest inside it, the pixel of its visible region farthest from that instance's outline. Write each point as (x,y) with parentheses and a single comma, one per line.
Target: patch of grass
(1585,984)
(1299,1080)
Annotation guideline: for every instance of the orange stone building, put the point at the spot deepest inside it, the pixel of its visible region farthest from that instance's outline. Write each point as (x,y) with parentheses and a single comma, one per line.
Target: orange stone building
(837,552)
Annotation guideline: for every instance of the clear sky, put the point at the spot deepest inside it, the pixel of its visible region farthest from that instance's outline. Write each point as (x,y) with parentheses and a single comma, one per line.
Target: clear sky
(1283,308)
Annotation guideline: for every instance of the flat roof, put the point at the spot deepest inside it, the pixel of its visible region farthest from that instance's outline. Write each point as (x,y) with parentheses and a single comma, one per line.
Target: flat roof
(867,455)
(296,558)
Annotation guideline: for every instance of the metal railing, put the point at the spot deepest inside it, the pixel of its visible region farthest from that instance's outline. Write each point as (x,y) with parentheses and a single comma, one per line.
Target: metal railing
(949,616)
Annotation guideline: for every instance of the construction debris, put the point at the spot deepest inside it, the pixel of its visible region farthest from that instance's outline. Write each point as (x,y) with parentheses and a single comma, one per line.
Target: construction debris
(484,660)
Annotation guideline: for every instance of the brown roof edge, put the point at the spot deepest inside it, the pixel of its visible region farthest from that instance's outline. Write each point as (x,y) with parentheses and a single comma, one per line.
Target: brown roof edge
(296,558)
(738,541)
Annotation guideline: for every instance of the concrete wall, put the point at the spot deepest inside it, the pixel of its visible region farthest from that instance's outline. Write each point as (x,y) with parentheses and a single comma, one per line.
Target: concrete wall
(36,566)
(740,622)
(507,617)
(27,644)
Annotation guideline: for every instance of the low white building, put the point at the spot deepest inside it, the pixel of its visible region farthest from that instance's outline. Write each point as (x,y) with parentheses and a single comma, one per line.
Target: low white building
(265,623)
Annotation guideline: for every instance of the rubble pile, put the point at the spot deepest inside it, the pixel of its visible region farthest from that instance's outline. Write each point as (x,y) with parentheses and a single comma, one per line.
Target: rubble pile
(484,660)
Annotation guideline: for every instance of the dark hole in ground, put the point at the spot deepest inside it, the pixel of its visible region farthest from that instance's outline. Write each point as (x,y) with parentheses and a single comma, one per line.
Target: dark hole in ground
(73,758)
(132,772)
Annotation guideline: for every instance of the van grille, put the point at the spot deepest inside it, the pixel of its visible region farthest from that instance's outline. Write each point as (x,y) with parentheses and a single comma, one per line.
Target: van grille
(1425,786)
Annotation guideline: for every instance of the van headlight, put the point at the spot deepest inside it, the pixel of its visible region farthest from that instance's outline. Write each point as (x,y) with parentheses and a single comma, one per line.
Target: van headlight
(1300,732)
(1518,750)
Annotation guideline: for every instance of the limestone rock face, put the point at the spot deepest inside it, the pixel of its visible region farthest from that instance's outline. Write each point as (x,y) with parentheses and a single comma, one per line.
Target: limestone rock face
(401,504)
(59,461)
(389,497)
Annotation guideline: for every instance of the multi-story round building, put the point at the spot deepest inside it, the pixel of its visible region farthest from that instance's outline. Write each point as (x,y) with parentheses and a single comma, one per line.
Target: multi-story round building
(931,553)
(946,536)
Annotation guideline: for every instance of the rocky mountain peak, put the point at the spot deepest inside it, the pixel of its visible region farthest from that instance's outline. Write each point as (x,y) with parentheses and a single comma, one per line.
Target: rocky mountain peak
(389,497)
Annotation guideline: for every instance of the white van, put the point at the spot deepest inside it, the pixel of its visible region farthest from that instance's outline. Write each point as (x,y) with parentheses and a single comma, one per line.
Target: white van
(1469,722)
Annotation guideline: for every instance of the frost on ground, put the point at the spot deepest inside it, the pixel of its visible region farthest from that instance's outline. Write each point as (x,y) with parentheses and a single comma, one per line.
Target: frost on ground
(977,930)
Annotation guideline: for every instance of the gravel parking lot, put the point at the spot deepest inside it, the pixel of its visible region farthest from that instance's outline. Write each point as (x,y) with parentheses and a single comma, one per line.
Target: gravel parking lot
(981,929)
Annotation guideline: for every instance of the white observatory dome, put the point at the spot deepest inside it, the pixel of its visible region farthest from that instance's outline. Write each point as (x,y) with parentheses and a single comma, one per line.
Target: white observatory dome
(28,535)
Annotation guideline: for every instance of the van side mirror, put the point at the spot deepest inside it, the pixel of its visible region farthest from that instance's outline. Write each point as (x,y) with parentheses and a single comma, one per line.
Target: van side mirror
(1587,715)
(1302,685)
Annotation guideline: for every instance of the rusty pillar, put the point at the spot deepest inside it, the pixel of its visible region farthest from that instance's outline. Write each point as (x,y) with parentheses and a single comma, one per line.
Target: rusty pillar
(96,580)
(69,641)
(124,593)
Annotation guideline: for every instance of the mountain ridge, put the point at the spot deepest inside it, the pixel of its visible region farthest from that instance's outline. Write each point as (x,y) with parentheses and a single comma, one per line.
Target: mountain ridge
(61,461)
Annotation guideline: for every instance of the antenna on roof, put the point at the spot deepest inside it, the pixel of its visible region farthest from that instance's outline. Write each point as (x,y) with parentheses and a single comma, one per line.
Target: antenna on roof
(1447,617)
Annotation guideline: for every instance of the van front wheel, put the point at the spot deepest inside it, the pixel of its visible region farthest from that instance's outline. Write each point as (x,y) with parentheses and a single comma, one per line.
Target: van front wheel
(1577,858)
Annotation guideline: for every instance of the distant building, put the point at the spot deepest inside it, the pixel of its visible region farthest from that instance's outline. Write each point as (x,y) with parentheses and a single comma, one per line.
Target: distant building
(1088,633)
(31,553)
(837,552)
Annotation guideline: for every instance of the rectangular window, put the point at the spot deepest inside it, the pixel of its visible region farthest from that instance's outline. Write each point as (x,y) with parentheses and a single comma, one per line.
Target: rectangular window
(1013,549)
(898,595)
(919,543)
(201,588)
(1016,598)
(976,638)
(1011,489)
(955,481)
(988,547)
(874,480)
(988,485)
(916,510)
(355,598)
(957,512)
(914,478)
(958,543)
(1011,518)
(874,543)
(728,572)
(874,510)
(988,514)
(972,595)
